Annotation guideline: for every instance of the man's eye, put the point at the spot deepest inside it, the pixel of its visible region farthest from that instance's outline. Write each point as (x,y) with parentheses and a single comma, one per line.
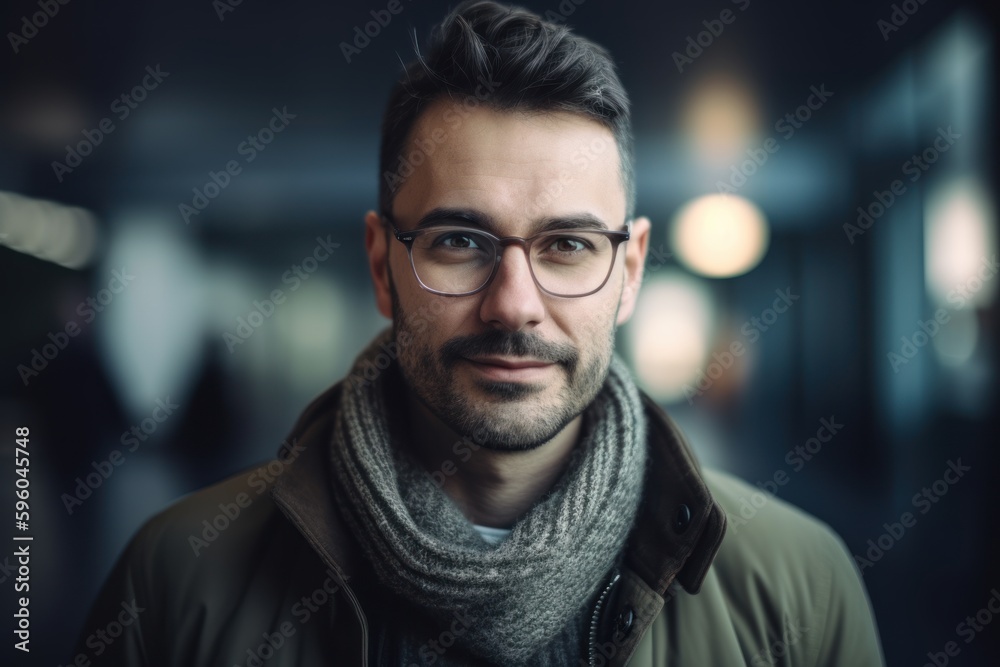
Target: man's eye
(569,244)
(458,240)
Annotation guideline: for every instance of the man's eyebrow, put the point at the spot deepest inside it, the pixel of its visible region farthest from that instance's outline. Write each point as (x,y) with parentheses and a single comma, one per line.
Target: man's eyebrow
(476,218)
(457,216)
(573,221)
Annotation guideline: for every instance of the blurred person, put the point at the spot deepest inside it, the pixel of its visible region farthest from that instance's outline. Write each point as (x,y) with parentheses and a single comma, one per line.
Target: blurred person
(488,485)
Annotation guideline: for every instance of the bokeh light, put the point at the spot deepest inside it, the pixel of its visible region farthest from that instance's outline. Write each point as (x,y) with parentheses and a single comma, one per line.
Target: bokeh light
(720,235)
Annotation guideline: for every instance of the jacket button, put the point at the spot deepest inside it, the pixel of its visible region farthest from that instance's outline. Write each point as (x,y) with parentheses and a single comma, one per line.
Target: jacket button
(624,621)
(683,519)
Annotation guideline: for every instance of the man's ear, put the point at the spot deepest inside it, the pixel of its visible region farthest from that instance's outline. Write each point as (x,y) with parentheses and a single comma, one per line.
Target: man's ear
(635,261)
(378,261)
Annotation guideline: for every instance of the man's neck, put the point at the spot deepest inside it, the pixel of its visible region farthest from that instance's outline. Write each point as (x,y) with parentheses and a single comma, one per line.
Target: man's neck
(492,488)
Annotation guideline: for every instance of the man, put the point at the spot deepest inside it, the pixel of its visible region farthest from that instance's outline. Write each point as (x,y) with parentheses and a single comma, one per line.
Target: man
(488,486)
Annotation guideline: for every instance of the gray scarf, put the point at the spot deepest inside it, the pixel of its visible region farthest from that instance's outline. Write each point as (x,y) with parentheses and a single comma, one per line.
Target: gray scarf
(523,601)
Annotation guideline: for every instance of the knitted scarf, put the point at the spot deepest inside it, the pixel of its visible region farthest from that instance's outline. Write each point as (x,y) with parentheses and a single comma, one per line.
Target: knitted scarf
(525,600)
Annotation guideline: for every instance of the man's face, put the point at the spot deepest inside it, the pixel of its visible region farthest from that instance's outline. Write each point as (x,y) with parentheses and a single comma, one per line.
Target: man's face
(510,362)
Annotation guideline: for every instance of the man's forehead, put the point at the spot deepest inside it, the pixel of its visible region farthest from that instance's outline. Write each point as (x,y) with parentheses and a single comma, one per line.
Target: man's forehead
(454,127)
(531,164)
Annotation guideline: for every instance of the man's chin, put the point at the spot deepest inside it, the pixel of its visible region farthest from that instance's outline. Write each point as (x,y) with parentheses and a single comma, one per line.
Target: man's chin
(511,429)
(506,392)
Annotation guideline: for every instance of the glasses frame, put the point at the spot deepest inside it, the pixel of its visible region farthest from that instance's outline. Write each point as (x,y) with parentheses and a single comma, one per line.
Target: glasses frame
(408,237)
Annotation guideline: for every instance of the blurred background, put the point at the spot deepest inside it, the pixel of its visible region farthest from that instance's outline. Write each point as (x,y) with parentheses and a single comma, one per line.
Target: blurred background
(820,178)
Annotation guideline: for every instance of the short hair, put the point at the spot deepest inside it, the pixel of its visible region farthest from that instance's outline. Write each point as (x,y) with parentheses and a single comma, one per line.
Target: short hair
(537,66)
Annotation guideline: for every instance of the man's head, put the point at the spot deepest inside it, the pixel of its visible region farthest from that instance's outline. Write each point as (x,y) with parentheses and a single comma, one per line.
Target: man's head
(507,58)
(508,125)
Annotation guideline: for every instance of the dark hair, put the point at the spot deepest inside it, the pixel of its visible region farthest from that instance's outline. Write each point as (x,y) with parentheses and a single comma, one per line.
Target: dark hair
(527,63)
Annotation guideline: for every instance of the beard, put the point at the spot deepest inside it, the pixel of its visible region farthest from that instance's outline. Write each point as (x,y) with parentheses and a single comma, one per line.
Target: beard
(505,416)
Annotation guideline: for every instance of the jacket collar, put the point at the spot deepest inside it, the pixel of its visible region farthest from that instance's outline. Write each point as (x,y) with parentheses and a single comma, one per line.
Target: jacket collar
(678,530)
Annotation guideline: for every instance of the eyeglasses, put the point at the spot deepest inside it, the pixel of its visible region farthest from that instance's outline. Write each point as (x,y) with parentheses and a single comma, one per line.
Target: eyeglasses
(456,260)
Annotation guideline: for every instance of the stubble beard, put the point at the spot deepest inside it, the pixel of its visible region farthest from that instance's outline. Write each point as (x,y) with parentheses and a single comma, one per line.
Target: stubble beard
(504,416)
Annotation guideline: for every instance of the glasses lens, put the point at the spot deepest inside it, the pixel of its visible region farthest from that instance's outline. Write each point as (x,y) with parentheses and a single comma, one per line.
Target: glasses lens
(456,260)
(453,260)
(572,263)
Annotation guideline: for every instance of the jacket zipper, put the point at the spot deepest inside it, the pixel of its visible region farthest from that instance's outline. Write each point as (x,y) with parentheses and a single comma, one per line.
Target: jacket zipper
(595,619)
(363,622)
(332,564)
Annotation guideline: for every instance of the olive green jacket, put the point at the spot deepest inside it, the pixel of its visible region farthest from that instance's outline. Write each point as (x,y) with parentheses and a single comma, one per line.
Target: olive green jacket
(261,571)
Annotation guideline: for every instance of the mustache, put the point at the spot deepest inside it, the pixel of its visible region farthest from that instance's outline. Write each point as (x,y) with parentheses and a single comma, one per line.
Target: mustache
(508,344)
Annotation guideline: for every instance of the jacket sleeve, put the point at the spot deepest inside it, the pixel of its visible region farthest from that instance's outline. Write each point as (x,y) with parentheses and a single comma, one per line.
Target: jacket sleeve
(850,636)
(120,628)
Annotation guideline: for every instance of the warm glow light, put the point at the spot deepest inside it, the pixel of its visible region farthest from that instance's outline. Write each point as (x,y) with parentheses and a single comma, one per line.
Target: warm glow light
(720,236)
(959,241)
(670,333)
(721,119)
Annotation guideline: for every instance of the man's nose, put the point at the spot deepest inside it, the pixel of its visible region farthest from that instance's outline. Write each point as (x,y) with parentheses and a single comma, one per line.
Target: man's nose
(513,299)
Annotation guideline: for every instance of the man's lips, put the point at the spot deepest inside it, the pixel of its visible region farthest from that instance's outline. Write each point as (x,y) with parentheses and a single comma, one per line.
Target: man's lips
(513,364)
(518,369)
